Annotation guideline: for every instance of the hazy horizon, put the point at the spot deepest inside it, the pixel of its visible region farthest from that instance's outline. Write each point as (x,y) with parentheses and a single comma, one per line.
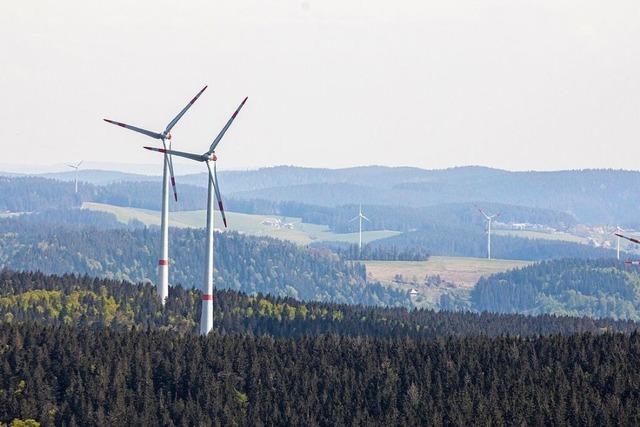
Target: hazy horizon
(156,170)
(515,85)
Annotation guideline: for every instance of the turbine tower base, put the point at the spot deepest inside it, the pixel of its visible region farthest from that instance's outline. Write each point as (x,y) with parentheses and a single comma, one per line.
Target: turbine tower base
(206,318)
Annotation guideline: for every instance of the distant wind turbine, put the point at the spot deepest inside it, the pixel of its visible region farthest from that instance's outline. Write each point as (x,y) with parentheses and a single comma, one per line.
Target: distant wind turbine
(360,217)
(489,219)
(631,239)
(618,230)
(163,262)
(76,167)
(206,318)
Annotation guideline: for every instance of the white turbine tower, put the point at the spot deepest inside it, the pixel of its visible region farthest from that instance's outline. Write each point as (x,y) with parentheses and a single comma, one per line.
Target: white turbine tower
(489,219)
(163,262)
(360,217)
(76,167)
(631,239)
(206,318)
(617,233)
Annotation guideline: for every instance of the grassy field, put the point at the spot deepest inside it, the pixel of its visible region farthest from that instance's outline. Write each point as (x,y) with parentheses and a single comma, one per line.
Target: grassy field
(302,233)
(459,275)
(558,235)
(462,271)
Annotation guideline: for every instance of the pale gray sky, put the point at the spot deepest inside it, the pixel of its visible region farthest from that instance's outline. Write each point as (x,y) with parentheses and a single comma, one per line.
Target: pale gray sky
(515,84)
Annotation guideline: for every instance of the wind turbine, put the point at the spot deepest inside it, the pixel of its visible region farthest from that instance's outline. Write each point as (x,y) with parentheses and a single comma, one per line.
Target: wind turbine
(489,219)
(76,167)
(163,262)
(631,239)
(206,318)
(360,217)
(617,233)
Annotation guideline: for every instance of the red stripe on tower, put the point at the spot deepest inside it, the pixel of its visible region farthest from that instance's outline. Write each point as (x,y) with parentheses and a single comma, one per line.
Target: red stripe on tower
(207,297)
(163,262)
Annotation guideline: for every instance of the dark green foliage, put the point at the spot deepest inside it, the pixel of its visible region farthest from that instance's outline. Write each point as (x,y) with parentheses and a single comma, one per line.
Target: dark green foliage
(597,288)
(282,362)
(67,375)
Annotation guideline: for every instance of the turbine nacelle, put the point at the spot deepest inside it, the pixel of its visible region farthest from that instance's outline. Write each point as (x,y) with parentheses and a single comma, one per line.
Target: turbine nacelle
(213,157)
(167,135)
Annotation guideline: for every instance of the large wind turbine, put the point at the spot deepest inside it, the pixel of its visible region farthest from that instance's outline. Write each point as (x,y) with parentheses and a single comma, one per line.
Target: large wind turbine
(76,167)
(163,262)
(360,217)
(206,318)
(489,219)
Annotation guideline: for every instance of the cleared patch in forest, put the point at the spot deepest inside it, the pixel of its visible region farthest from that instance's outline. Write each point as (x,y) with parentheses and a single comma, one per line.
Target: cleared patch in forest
(457,274)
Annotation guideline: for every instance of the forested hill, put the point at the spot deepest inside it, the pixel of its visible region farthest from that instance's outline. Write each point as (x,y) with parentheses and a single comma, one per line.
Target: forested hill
(86,301)
(249,264)
(472,242)
(596,288)
(72,353)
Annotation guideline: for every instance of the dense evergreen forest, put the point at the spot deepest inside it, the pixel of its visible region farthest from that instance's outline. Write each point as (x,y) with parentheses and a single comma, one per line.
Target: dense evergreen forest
(77,376)
(596,288)
(85,351)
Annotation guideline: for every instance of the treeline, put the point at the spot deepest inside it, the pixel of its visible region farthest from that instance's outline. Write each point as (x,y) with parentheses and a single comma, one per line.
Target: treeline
(403,218)
(370,252)
(595,288)
(92,302)
(470,242)
(77,376)
(249,264)
(75,217)
(30,194)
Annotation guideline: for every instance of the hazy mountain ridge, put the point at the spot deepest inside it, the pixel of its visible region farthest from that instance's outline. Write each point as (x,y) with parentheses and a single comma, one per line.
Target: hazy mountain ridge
(591,195)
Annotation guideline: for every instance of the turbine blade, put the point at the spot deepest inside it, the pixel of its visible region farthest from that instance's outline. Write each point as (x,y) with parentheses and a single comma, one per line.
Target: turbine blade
(136,129)
(631,239)
(196,157)
(353,219)
(173,175)
(365,218)
(72,166)
(216,141)
(173,122)
(482,212)
(214,181)
(79,163)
